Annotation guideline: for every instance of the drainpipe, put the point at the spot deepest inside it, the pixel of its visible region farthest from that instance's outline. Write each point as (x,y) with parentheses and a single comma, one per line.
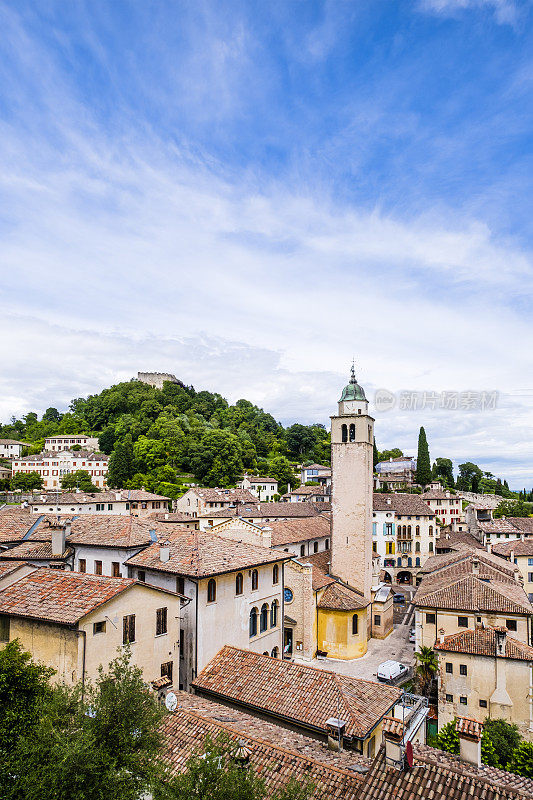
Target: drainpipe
(84,634)
(282,608)
(196,637)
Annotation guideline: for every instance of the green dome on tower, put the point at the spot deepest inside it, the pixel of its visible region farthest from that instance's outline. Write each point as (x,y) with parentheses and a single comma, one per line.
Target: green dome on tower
(352,391)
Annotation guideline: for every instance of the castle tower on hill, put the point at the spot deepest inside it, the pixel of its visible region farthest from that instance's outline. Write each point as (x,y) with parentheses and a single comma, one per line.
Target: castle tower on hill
(352,442)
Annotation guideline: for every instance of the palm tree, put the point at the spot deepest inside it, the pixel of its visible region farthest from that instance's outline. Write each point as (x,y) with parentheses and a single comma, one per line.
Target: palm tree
(427,665)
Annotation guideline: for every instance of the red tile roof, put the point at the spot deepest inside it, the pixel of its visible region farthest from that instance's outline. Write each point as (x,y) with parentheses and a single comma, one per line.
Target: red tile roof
(39,551)
(15,523)
(268,511)
(402,504)
(517,546)
(338,597)
(276,754)
(57,596)
(470,593)
(200,554)
(116,530)
(482,642)
(7,567)
(305,695)
(292,531)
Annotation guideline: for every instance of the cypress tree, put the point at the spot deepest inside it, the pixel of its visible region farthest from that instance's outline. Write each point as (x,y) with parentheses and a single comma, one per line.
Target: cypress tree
(423,463)
(376,454)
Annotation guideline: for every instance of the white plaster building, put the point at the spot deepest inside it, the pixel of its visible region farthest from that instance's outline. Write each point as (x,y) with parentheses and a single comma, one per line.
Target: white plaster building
(133,502)
(52,466)
(265,489)
(70,440)
(403,534)
(11,448)
(199,500)
(447,507)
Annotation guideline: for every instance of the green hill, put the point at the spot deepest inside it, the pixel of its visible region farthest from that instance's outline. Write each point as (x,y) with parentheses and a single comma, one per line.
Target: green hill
(161,438)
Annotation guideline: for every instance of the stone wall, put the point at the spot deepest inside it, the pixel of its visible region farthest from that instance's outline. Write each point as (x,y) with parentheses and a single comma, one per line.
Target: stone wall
(157,379)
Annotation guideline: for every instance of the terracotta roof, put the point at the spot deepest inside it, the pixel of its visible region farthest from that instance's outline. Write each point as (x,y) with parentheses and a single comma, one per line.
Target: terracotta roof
(470,593)
(171,516)
(339,597)
(15,523)
(437,775)
(276,754)
(80,498)
(494,526)
(518,546)
(320,563)
(455,540)
(34,550)
(437,494)
(316,466)
(482,642)
(47,455)
(300,693)
(116,530)
(13,441)
(7,567)
(201,553)
(523,524)
(402,504)
(470,728)
(462,562)
(290,531)
(268,510)
(394,727)
(259,479)
(59,596)
(223,495)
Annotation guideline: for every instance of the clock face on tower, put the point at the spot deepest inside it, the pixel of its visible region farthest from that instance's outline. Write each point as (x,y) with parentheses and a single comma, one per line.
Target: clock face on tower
(349,405)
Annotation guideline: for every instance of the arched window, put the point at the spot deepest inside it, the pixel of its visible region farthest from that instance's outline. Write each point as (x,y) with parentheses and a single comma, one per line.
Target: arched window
(417,562)
(315,547)
(275,652)
(238,583)
(253,622)
(409,562)
(417,530)
(265,653)
(431,547)
(409,530)
(355,623)
(211,591)
(255,580)
(274,614)
(431,530)
(352,432)
(417,547)
(344,433)
(263,622)
(275,574)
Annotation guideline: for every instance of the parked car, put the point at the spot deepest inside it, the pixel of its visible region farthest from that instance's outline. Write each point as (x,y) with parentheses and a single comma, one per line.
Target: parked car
(412,635)
(399,598)
(390,671)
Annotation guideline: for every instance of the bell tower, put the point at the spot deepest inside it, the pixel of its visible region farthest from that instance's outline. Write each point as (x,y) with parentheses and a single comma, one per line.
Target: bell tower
(352,445)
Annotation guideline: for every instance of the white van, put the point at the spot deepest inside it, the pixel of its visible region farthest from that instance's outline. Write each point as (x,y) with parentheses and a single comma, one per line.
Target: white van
(391,670)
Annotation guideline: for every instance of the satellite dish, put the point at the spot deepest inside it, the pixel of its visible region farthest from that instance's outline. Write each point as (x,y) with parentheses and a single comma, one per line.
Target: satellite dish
(171,701)
(409,755)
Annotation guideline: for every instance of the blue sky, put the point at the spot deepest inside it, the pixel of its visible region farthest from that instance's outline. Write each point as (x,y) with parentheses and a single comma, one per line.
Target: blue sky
(249,194)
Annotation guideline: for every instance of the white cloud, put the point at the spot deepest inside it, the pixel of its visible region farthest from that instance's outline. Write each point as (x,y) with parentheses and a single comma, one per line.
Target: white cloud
(505,11)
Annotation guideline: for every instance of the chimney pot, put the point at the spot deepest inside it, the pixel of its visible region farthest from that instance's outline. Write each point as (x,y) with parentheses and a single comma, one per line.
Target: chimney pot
(164,552)
(470,732)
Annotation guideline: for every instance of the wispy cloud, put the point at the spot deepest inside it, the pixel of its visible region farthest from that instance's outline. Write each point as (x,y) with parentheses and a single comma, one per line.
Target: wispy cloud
(244,260)
(506,12)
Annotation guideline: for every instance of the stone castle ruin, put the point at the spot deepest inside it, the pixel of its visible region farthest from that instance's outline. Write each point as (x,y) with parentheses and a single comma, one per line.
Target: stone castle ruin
(156,379)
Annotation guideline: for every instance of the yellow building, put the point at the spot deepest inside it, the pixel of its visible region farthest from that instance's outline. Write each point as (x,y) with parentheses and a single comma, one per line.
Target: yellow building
(520,553)
(484,672)
(76,622)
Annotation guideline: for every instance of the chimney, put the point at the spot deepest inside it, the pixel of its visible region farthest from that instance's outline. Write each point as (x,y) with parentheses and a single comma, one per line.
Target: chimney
(68,527)
(511,556)
(475,566)
(489,547)
(501,637)
(164,552)
(118,496)
(58,541)
(389,501)
(441,635)
(335,730)
(470,732)
(166,515)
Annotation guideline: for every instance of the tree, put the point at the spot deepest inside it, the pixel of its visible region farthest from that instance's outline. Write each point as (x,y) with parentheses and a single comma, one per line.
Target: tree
(279,468)
(107,439)
(27,481)
(121,464)
(23,684)
(505,737)
(427,665)
(466,473)
(102,745)
(52,415)
(522,760)
(80,479)
(509,508)
(475,483)
(385,455)
(376,454)
(213,773)
(443,471)
(423,464)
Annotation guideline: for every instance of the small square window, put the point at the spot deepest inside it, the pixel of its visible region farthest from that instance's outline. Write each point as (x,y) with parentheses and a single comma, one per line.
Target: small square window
(99,627)
(430,619)
(510,624)
(462,669)
(462,622)
(449,698)
(463,701)
(449,668)
(377,619)
(483,704)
